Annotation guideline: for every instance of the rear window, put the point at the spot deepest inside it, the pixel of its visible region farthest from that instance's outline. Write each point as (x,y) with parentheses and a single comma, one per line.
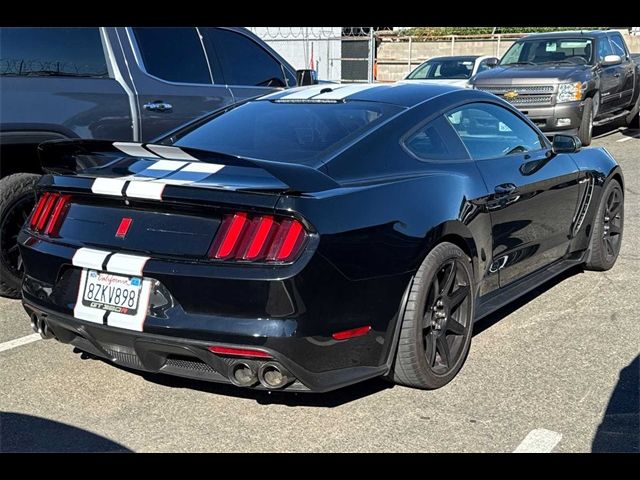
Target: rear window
(287,132)
(51,52)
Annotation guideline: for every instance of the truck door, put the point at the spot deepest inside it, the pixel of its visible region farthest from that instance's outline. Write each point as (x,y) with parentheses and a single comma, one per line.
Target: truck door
(609,78)
(626,69)
(173,79)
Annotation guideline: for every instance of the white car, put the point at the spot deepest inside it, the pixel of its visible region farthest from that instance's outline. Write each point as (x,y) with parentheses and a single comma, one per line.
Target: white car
(453,70)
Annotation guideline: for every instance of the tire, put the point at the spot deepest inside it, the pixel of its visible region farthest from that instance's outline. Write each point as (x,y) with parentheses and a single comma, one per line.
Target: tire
(585,130)
(430,329)
(16,202)
(608,226)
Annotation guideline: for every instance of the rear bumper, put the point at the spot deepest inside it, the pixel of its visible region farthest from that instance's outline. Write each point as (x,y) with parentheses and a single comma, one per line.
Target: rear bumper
(290,313)
(547,117)
(186,357)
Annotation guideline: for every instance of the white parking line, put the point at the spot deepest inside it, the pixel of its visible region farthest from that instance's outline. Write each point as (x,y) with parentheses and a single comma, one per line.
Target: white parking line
(539,440)
(626,139)
(19,342)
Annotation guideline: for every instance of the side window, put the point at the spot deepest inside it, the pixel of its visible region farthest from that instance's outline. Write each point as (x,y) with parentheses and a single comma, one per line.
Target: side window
(490,131)
(243,61)
(67,52)
(604,48)
(617,43)
(173,54)
(436,141)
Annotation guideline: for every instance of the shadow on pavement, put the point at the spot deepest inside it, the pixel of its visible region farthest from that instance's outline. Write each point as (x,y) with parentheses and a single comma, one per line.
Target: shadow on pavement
(490,320)
(26,433)
(620,427)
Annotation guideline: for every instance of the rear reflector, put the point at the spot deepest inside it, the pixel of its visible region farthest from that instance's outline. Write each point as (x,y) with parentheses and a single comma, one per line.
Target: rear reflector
(239,352)
(354,332)
(123,228)
(259,238)
(49,213)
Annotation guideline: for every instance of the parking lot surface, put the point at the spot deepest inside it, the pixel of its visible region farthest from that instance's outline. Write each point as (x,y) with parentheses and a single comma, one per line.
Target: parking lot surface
(557,371)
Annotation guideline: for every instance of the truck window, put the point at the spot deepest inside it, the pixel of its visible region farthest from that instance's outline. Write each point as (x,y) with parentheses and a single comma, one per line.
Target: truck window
(173,54)
(52,52)
(618,45)
(604,48)
(243,61)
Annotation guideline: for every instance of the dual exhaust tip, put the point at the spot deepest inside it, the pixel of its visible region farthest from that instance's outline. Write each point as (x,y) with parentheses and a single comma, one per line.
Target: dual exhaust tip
(39,325)
(271,375)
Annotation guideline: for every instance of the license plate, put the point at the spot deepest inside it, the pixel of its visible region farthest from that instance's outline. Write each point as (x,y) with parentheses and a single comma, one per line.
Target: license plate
(112,293)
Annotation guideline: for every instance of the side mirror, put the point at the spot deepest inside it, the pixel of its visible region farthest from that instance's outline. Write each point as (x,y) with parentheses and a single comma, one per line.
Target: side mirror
(492,62)
(611,60)
(306,77)
(565,144)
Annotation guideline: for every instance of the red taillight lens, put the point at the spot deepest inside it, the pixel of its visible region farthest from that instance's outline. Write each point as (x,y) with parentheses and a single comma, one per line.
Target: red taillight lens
(49,212)
(261,238)
(57,214)
(37,211)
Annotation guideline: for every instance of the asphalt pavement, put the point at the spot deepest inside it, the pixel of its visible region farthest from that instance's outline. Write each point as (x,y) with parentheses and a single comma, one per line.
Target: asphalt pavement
(557,371)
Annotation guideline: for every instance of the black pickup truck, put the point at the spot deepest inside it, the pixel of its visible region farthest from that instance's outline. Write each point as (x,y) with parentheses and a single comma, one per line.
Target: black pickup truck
(568,82)
(113,83)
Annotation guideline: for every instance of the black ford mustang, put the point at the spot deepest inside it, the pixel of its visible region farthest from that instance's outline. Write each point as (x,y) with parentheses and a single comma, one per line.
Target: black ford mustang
(312,238)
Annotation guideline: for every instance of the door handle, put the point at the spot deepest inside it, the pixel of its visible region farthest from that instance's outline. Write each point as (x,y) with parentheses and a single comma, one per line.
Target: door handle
(158,106)
(505,189)
(617,75)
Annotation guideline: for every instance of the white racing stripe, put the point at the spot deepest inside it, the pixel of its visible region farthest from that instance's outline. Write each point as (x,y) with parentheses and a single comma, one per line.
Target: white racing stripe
(539,440)
(108,186)
(18,342)
(145,189)
(134,149)
(89,258)
(172,153)
(307,93)
(126,264)
(158,169)
(193,172)
(348,90)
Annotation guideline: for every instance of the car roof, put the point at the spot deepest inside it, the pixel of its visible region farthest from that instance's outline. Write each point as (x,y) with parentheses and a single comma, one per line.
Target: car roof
(455,57)
(565,34)
(402,94)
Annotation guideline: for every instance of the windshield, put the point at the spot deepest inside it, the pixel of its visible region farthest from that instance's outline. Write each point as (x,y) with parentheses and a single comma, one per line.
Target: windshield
(287,132)
(445,69)
(577,51)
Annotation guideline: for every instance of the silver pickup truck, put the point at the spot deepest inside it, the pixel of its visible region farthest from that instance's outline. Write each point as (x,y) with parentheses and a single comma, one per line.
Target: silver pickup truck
(568,82)
(125,83)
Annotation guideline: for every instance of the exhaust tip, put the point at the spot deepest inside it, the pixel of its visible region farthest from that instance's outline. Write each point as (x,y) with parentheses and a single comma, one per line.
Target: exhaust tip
(274,376)
(43,328)
(34,323)
(243,375)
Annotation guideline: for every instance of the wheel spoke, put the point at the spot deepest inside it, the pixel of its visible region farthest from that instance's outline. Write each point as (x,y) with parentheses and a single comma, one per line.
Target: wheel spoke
(455,326)
(457,297)
(450,276)
(615,209)
(431,349)
(614,229)
(443,349)
(19,263)
(608,245)
(12,248)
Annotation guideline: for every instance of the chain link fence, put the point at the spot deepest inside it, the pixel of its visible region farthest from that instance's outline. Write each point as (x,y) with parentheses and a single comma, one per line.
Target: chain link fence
(339,54)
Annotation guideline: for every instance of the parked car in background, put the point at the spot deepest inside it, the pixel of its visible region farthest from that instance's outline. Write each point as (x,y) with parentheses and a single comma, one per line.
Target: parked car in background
(453,70)
(568,82)
(335,234)
(126,83)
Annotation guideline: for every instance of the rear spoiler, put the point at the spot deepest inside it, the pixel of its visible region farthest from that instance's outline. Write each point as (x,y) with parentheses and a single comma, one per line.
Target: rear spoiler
(70,157)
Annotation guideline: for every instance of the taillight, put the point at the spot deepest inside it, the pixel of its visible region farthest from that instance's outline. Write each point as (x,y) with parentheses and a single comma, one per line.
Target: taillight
(261,238)
(49,212)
